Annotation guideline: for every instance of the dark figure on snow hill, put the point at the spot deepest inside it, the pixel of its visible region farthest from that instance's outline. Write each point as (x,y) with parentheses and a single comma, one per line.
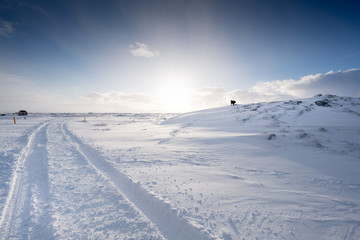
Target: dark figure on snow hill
(232,102)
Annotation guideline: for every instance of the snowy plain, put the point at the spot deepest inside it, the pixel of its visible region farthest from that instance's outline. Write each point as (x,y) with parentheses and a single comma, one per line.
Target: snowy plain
(279,170)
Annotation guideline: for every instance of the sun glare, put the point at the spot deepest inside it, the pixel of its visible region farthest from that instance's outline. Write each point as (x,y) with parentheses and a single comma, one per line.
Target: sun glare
(174,96)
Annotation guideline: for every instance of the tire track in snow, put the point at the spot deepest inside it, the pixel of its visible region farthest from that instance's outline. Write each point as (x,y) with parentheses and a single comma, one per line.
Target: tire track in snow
(27,199)
(166,219)
(85,204)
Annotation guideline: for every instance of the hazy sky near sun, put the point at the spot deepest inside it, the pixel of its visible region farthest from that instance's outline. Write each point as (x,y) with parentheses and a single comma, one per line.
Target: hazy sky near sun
(119,56)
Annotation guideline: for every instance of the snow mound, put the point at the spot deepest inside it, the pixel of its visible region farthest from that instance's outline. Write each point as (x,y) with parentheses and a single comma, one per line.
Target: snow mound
(321,109)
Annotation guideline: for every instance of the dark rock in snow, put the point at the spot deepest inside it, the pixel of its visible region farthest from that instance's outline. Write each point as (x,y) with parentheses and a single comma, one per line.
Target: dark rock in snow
(323,103)
(271,136)
(322,129)
(293,102)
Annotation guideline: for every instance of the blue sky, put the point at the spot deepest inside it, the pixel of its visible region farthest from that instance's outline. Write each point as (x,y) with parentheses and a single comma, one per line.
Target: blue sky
(162,55)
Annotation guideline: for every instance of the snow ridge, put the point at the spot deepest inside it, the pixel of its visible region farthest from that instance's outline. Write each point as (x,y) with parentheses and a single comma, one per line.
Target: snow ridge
(166,219)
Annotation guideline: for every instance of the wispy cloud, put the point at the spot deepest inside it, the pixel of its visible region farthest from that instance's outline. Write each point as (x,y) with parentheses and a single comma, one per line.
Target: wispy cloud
(142,50)
(346,83)
(18,92)
(33,7)
(6,28)
(12,78)
(343,83)
(115,101)
(118,97)
(201,98)
(351,55)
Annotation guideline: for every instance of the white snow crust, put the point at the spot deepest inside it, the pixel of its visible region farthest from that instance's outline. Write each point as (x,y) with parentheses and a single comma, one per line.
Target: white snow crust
(278,170)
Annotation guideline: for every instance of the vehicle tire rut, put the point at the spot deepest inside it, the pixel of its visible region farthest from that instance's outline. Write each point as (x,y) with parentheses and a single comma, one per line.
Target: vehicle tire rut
(27,200)
(160,213)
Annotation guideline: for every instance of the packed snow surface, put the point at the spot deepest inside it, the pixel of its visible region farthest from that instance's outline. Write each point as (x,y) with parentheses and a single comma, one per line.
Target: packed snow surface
(279,170)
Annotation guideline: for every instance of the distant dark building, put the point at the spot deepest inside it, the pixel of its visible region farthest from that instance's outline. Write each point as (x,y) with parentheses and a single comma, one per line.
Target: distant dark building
(22,113)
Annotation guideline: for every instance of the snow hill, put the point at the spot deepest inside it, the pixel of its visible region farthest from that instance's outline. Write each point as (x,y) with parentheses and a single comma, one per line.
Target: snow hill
(279,170)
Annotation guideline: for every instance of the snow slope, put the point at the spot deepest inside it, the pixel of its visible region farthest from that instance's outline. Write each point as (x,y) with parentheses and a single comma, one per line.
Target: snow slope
(281,170)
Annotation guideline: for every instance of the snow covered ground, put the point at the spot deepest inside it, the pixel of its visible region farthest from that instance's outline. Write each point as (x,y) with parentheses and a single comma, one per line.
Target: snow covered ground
(281,170)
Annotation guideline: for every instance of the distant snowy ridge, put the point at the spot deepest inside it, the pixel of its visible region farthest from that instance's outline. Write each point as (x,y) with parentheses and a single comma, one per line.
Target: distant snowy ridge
(305,121)
(277,110)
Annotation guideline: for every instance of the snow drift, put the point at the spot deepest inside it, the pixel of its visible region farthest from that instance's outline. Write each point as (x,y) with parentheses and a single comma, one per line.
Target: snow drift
(278,170)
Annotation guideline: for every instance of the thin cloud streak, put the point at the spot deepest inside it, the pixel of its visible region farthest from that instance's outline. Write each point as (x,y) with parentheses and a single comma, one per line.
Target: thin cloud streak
(12,78)
(6,28)
(346,83)
(142,50)
(34,8)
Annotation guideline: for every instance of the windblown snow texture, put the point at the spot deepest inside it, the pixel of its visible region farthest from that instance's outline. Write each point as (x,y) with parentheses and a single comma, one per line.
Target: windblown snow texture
(280,170)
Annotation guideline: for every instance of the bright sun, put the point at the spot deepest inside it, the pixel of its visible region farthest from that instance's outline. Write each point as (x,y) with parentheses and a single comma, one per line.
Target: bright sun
(174,96)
